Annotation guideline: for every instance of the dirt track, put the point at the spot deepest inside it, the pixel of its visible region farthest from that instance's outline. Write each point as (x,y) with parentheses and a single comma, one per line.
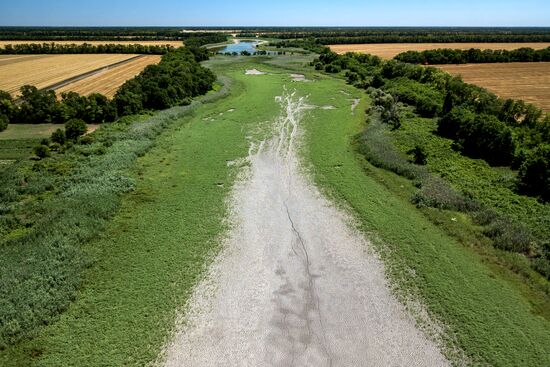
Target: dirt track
(295,284)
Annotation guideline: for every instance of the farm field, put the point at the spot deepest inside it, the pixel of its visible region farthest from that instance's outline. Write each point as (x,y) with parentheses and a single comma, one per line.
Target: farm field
(45,70)
(108,81)
(390,50)
(95,43)
(529,81)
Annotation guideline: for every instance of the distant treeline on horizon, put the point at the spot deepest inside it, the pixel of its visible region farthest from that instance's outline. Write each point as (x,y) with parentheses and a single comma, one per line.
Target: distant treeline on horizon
(323,35)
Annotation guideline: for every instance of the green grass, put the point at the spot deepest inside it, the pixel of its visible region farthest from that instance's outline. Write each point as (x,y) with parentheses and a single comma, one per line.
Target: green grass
(28,131)
(14,149)
(485,313)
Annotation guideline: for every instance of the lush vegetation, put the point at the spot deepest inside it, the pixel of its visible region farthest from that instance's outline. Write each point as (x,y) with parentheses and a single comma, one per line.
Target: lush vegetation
(501,132)
(473,56)
(51,207)
(85,48)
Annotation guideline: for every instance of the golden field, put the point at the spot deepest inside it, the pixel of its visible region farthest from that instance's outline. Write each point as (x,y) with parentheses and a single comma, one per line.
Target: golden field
(108,81)
(45,70)
(390,50)
(529,81)
(95,43)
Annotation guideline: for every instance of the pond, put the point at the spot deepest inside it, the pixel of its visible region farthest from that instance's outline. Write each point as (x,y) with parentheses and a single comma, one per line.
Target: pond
(239,47)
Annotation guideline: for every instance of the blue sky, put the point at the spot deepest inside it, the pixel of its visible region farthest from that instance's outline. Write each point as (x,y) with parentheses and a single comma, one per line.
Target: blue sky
(280,12)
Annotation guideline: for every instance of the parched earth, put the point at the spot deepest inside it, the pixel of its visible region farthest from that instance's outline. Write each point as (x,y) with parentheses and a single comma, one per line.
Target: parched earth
(296,284)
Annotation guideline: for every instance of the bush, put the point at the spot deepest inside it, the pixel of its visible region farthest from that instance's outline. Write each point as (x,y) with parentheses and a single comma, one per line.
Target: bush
(85,140)
(509,236)
(419,155)
(42,151)
(75,128)
(58,136)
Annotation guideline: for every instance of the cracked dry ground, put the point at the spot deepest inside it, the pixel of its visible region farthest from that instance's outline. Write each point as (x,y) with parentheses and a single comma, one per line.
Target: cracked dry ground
(296,284)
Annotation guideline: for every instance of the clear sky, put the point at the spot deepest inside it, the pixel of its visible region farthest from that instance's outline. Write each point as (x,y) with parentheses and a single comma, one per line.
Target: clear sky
(275,13)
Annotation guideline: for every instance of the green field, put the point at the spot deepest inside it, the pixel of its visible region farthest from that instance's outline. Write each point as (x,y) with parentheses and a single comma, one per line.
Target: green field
(154,251)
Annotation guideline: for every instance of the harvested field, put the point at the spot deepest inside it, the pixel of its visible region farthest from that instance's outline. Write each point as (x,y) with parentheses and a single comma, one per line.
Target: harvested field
(390,50)
(45,70)
(529,81)
(108,81)
(95,43)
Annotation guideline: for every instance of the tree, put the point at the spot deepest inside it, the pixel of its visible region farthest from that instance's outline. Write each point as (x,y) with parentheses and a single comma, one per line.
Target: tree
(75,128)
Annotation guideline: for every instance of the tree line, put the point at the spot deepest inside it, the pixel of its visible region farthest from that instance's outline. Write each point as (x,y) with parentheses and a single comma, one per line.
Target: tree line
(174,81)
(85,48)
(96,33)
(473,56)
(327,36)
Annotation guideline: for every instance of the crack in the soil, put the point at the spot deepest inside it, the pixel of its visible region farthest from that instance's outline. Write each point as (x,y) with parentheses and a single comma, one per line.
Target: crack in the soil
(289,125)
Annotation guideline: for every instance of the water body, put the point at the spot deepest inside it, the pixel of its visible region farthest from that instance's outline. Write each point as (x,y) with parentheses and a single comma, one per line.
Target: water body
(240,47)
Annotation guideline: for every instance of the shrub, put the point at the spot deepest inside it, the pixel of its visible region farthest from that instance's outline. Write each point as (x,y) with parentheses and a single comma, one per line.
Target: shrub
(58,136)
(42,151)
(509,236)
(75,128)
(419,155)
(85,140)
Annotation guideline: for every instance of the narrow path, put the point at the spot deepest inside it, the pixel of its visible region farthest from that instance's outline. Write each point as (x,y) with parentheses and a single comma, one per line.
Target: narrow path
(295,285)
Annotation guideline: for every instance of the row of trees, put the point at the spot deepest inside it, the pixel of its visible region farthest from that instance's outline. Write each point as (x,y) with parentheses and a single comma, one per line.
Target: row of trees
(174,81)
(96,33)
(473,55)
(328,36)
(85,48)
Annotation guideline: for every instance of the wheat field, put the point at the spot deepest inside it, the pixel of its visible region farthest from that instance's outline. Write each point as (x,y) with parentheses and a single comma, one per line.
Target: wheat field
(45,70)
(390,50)
(529,81)
(108,81)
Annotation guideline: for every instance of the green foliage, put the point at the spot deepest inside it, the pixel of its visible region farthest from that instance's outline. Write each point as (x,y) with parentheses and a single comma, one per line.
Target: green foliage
(58,136)
(534,173)
(478,135)
(3,122)
(176,79)
(419,155)
(427,101)
(387,107)
(42,151)
(75,128)
(473,56)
